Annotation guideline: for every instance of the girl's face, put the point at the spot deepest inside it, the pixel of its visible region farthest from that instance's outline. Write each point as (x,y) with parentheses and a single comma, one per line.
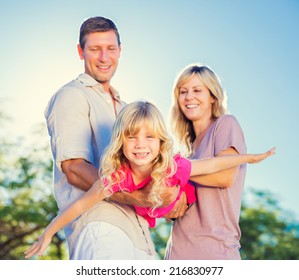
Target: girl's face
(195,100)
(141,149)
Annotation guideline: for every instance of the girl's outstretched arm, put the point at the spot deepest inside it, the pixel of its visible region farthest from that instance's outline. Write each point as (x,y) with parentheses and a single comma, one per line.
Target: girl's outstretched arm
(208,166)
(95,194)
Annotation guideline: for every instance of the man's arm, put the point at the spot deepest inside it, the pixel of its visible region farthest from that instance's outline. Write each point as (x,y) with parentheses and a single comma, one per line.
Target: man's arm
(80,173)
(140,197)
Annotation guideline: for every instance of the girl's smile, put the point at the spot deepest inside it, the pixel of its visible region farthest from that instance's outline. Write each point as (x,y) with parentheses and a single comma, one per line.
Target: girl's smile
(141,149)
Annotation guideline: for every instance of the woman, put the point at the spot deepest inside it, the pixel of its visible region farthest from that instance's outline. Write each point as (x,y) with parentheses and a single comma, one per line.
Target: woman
(210,227)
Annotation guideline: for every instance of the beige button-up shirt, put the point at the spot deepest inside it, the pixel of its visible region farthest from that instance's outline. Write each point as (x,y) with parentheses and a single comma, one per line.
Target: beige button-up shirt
(79,118)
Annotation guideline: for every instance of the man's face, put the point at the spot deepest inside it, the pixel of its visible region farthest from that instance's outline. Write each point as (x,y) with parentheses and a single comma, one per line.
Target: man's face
(101,54)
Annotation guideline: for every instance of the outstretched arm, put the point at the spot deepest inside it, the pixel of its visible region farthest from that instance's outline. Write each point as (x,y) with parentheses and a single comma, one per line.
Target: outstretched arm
(208,166)
(84,203)
(201,173)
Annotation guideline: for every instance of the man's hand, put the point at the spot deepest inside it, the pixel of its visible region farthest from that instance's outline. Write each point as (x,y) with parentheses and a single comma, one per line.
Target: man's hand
(179,208)
(168,196)
(140,197)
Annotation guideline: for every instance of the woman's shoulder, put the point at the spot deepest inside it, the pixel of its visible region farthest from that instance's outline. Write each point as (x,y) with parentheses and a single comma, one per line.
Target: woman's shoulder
(227,125)
(227,120)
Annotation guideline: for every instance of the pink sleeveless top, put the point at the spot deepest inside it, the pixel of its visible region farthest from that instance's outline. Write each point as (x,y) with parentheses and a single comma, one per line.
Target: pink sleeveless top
(180,178)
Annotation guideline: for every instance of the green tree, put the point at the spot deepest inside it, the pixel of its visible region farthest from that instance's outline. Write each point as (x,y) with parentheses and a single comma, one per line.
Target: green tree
(160,234)
(268,232)
(26,200)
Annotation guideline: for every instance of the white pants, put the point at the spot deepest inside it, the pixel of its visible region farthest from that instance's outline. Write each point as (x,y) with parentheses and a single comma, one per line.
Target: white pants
(103,241)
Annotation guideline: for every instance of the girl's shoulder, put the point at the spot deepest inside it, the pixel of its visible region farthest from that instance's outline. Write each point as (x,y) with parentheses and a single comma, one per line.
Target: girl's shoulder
(180,160)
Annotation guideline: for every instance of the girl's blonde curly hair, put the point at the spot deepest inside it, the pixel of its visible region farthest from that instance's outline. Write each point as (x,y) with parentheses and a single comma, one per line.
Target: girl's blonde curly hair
(130,120)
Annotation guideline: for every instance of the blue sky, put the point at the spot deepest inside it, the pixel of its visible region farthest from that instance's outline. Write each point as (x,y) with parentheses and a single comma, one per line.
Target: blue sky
(252,45)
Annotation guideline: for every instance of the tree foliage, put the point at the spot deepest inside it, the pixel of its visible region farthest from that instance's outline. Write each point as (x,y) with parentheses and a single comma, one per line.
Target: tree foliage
(26,201)
(268,232)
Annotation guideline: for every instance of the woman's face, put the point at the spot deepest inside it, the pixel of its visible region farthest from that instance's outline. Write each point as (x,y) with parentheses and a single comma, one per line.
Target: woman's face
(195,100)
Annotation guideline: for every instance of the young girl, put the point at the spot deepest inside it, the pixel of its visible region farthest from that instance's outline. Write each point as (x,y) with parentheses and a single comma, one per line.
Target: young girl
(140,151)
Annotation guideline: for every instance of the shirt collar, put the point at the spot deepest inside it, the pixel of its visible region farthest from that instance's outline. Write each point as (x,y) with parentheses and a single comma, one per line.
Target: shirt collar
(88,81)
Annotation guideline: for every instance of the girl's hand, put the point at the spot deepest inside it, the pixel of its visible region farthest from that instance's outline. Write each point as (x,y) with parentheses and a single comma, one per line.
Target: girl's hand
(38,247)
(255,158)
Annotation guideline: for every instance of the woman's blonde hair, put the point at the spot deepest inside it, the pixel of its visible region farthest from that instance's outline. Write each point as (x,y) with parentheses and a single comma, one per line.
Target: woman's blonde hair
(129,122)
(181,126)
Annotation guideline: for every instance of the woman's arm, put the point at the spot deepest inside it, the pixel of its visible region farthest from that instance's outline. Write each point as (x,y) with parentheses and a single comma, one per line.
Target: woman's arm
(84,203)
(221,179)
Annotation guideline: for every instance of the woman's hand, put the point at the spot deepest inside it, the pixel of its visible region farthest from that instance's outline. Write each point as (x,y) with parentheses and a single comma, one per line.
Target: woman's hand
(178,209)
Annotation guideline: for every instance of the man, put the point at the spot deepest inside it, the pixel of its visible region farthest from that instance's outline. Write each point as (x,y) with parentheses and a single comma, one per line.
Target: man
(80,117)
